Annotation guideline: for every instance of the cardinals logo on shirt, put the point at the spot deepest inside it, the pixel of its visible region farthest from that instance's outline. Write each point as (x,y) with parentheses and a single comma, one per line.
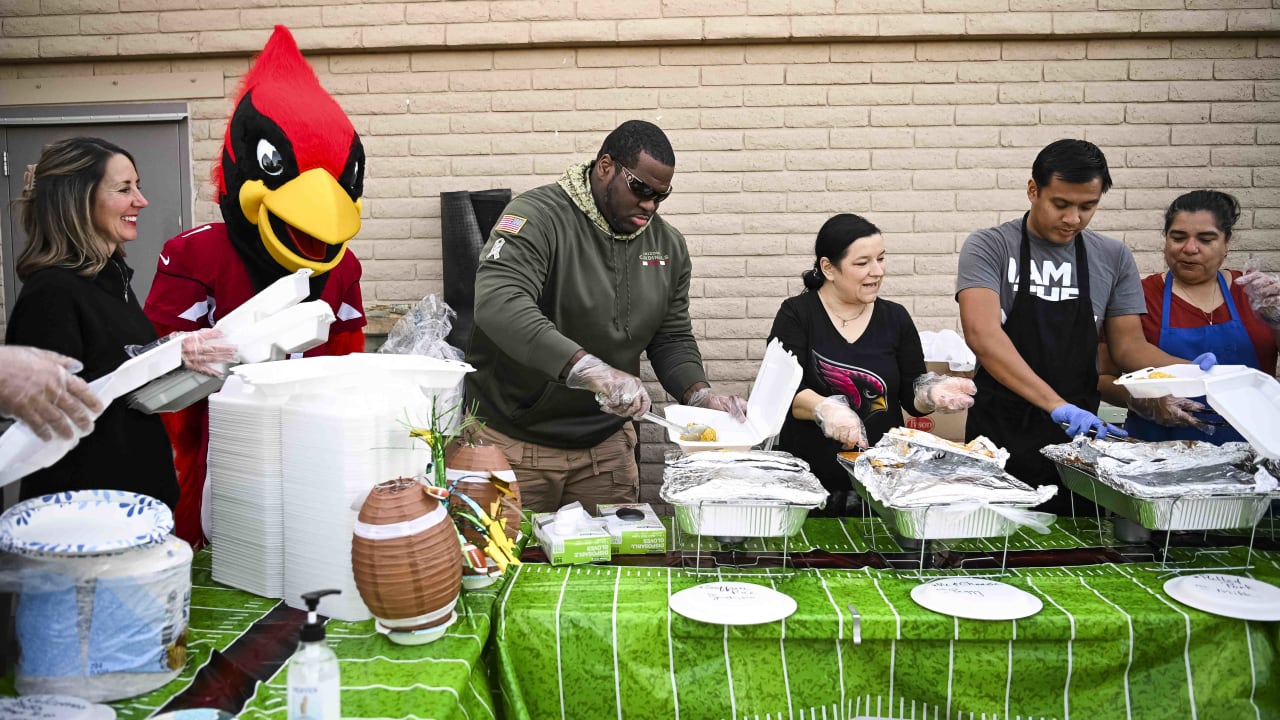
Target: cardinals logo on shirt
(864,389)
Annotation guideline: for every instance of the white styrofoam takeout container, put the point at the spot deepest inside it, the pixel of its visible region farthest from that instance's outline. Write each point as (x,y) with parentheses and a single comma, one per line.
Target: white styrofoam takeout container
(767,407)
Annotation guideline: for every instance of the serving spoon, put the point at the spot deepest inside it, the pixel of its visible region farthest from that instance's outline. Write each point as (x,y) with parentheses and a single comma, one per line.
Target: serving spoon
(689,433)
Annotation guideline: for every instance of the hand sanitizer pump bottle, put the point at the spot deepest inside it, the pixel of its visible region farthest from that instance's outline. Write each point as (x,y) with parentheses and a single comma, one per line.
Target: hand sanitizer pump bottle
(314,690)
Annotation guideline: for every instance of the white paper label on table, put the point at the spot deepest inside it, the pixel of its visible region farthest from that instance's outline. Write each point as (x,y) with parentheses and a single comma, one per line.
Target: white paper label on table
(976,599)
(732,603)
(1230,596)
(53,707)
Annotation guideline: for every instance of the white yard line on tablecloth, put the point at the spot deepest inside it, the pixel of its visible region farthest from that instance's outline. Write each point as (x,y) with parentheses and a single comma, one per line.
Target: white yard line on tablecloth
(1186,648)
(951,660)
(559,672)
(617,681)
(782,651)
(893,644)
(1071,641)
(671,653)
(839,632)
(1128,706)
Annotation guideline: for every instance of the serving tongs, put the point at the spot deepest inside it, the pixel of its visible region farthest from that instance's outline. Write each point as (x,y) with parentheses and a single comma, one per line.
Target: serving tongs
(1092,434)
(689,433)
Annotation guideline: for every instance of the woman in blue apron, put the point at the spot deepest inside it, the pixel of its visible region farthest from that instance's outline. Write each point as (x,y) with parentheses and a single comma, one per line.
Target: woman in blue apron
(1196,307)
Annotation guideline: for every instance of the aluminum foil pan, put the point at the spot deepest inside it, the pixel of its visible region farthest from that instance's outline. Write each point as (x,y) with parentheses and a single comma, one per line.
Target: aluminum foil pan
(742,478)
(1186,512)
(735,522)
(1169,469)
(938,522)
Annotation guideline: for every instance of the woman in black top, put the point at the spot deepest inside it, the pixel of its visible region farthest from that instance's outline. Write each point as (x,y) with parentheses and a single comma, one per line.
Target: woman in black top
(79,208)
(861,356)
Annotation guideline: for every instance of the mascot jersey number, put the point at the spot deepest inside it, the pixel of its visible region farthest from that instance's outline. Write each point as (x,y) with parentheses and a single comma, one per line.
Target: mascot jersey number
(289,186)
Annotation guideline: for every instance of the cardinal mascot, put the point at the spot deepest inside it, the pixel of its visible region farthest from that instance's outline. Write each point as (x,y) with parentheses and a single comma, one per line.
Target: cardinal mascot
(288,184)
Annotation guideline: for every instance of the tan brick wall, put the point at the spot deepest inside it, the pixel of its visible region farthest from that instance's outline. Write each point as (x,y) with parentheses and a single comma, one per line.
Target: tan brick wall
(930,135)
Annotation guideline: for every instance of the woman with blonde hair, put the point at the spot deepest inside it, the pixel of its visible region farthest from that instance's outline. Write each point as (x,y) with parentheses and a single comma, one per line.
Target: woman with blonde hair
(79,208)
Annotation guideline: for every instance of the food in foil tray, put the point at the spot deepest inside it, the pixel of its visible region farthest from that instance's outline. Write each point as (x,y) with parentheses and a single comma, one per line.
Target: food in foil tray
(745,477)
(980,448)
(916,474)
(1167,469)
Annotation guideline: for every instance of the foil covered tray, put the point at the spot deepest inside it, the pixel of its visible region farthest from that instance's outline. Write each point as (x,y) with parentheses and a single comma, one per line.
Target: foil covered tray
(937,522)
(733,522)
(941,522)
(1175,513)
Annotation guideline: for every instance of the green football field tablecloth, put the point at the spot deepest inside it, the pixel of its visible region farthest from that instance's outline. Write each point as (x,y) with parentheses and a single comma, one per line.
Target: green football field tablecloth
(599,641)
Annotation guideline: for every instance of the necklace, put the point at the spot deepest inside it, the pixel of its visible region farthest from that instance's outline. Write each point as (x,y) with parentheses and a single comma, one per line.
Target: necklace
(844,321)
(1213,301)
(124,281)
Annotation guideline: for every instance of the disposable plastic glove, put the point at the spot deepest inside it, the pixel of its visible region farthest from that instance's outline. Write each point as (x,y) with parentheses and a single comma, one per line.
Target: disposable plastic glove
(732,404)
(1080,422)
(38,388)
(839,422)
(943,393)
(1263,291)
(1205,361)
(1171,411)
(205,351)
(618,393)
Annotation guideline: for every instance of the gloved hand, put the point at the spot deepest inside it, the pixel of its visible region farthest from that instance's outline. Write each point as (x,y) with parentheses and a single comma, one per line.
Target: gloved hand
(204,351)
(38,388)
(732,404)
(839,422)
(1205,361)
(618,393)
(1080,421)
(1263,291)
(1171,411)
(943,393)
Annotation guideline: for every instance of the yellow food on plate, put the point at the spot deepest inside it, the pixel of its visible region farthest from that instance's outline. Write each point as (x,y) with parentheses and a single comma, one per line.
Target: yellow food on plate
(1158,375)
(707,434)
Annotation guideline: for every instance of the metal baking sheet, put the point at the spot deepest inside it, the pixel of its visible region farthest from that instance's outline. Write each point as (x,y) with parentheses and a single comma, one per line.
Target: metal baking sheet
(938,522)
(1191,512)
(740,521)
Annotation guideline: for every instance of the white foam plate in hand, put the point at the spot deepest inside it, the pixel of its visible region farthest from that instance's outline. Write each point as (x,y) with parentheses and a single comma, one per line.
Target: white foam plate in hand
(732,603)
(1230,596)
(976,599)
(84,522)
(1187,381)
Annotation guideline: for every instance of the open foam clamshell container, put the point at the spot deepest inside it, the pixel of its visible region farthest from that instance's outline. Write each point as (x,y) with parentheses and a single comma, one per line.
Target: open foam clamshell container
(268,326)
(767,407)
(1249,399)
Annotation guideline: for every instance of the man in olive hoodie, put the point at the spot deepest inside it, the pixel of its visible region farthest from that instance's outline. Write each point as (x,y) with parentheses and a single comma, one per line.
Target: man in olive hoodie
(577,279)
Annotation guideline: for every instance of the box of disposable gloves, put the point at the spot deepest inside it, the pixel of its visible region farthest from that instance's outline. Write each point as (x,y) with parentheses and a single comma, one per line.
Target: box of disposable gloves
(570,536)
(634,529)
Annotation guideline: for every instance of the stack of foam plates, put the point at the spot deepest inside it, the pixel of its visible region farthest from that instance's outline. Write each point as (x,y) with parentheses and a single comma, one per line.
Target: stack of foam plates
(246,496)
(339,447)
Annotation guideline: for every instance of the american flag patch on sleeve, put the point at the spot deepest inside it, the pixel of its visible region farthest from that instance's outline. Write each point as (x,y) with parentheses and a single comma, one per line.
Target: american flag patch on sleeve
(510,223)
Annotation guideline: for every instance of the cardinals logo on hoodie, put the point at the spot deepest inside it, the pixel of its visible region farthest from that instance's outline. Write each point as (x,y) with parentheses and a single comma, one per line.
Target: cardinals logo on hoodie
(864,389)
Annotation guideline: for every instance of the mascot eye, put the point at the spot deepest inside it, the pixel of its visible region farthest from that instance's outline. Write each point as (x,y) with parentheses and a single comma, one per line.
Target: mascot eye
(269,158)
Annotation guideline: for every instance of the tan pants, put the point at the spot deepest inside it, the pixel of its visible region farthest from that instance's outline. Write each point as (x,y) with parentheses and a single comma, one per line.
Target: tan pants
(551,478)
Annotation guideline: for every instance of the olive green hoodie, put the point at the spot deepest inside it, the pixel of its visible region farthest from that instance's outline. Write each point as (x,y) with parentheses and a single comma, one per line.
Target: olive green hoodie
(554,278)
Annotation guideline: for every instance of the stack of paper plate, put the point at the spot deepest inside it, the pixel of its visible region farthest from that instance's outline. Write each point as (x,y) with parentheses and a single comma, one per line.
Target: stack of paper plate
(245,490)
(337,448)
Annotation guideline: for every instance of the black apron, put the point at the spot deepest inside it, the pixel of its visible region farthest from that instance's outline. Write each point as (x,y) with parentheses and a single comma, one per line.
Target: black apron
(1059,340)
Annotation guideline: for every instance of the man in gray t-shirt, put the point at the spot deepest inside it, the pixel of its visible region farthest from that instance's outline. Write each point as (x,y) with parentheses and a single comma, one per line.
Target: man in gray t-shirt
(1034,295)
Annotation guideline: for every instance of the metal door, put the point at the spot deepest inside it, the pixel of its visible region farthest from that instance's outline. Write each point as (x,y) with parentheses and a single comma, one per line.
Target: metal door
(158,138)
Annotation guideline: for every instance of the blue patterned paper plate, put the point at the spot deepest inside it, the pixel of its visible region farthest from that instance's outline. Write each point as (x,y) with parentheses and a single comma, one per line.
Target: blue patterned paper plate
(84,522)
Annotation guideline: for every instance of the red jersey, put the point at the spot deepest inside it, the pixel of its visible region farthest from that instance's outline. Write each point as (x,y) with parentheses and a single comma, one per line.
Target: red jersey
(200,278)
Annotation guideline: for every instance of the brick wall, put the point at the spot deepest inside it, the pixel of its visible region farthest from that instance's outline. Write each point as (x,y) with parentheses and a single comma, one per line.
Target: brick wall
(922,114)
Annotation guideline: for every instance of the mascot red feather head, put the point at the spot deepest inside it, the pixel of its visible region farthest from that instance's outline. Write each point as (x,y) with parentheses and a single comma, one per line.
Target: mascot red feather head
(292,169)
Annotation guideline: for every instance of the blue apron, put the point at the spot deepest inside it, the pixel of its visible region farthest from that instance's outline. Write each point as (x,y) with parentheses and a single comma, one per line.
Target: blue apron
(1229,341)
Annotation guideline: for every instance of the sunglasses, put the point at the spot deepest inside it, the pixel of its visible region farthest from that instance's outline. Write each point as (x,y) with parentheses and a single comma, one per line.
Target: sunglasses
(640,188)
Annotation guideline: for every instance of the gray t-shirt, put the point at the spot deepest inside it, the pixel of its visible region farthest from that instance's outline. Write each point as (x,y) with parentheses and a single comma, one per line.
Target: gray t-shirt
(989,259)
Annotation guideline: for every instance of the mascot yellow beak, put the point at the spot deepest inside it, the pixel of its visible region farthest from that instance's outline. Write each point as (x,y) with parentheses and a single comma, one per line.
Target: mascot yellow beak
(318,213)
(879,403)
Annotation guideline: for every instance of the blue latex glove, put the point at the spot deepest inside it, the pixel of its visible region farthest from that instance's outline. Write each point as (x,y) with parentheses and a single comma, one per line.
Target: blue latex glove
(1080,422)
(1205,361)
